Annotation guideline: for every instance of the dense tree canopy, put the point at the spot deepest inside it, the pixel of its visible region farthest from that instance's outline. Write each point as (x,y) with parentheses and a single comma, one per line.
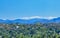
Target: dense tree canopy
(37,30)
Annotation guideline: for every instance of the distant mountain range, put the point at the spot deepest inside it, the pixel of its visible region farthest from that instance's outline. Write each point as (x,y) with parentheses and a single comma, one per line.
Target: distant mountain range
(31,21)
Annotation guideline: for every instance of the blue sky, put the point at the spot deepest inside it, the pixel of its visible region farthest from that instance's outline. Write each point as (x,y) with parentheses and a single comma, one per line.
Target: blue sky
(26,8)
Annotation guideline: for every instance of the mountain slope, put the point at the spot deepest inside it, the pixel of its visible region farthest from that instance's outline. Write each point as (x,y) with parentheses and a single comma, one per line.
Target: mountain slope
(31,21)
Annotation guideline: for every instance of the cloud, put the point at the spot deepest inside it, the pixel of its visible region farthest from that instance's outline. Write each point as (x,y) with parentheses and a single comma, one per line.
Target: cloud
(27,18)
(32,17)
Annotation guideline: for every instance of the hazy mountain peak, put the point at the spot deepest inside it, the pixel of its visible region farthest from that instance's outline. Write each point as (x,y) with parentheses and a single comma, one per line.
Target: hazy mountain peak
(34,19)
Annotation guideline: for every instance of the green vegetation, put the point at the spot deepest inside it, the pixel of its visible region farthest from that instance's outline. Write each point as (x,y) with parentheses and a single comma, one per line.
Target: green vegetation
(37,30)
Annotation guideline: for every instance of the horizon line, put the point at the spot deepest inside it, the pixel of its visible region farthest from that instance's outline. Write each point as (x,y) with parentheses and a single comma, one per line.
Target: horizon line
(32,17)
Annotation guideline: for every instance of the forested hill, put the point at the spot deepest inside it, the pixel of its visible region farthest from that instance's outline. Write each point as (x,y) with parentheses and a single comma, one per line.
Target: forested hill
(37,30)
(34,28)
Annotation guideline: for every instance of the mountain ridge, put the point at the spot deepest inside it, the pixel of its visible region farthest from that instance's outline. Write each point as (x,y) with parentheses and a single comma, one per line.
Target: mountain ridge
(31,21)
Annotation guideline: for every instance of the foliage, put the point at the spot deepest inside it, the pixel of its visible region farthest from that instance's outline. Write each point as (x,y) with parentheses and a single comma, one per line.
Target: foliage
(37,30)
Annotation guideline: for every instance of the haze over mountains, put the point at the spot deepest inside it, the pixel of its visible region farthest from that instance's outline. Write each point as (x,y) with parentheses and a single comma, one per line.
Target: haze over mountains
(32,20)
